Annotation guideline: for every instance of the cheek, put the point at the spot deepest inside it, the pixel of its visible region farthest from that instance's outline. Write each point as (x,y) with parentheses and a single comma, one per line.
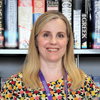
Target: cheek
(63,43)
(42,42)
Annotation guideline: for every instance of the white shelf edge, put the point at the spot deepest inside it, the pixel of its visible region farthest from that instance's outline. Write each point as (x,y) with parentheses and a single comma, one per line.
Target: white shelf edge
(86,51)
(13,51)
(76,51)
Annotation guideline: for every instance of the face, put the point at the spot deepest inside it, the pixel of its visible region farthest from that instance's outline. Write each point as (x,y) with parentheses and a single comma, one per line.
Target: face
(52,41)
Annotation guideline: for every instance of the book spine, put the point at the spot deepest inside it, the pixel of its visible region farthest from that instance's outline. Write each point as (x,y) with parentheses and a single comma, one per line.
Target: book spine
(38,9)
(52,5)
(67,10)
(84,32)
(25,22)
(77,28)
(11,25)
(96,24)
(1,23)
(89,25)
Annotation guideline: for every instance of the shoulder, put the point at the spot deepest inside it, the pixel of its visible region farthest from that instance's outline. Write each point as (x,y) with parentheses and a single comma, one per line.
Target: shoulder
(15,78)
(88,78)
(89,82)
(12,85)
(13,82)
(90,87)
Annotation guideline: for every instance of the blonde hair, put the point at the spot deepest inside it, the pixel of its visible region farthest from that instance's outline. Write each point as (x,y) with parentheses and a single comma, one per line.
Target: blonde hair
(32,63)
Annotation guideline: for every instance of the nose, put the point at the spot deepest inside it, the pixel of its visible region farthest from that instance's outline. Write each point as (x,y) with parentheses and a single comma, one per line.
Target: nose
(53,40)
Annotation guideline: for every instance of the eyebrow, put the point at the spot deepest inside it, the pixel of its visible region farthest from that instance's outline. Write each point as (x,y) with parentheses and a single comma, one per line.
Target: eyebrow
(45,31)
(50,32)
(62,32)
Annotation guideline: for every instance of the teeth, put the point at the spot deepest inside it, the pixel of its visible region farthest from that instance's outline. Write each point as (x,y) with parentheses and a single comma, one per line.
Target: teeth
(52,49)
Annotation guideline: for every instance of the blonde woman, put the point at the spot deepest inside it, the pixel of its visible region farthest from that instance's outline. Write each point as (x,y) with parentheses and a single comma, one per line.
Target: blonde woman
(49,71)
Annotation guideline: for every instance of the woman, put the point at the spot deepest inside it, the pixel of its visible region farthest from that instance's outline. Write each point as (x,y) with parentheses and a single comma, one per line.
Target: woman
(49,71)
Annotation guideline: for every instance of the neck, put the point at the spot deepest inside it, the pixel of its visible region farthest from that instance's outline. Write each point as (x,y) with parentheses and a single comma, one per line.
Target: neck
(52,71)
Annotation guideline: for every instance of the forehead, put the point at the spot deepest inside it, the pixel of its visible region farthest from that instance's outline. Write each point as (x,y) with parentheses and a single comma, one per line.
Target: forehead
(55,23)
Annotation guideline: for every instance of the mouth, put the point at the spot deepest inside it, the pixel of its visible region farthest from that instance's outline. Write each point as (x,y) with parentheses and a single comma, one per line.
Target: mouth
(54,50)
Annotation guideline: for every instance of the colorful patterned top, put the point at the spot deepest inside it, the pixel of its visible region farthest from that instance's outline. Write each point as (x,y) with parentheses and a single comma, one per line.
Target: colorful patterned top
(15,89)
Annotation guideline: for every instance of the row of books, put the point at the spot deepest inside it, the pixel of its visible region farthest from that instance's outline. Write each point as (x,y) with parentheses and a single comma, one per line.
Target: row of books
(17,18)
(86,24)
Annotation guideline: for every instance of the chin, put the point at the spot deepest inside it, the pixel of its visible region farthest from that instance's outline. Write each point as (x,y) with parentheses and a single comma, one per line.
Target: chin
(53,60)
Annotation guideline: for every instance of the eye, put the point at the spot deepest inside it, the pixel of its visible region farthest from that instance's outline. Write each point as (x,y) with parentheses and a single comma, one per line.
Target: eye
(60,35)
(46,35)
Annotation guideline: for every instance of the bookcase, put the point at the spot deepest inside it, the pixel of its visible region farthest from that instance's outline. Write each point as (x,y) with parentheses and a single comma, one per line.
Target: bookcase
(11,61)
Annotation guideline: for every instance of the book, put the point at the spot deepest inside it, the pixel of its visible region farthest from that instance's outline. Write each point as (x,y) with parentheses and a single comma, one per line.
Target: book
(67,9)
(25,22)
(52,5)
(11,25)
(77,4)
(77,28)
(1,23)
(96,24)
(38,9)
(89,25)
(84,31)
(77,14)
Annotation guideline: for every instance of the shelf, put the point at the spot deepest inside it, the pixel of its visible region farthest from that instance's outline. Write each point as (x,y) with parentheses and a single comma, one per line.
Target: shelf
(13,51)
(86,51)
(76,51)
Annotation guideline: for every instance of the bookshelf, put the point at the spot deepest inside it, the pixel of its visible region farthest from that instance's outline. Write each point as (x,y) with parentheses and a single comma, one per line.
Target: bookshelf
(86,51)
(76,51)
(13,51)
(11,60)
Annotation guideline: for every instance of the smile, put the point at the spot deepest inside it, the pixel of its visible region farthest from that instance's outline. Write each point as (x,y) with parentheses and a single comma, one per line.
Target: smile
(53,49)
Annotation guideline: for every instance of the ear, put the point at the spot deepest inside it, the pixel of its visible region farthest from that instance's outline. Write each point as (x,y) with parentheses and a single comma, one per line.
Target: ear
(36,42)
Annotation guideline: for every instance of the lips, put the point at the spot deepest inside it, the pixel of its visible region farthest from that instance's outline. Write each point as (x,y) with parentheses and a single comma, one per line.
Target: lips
(52,49)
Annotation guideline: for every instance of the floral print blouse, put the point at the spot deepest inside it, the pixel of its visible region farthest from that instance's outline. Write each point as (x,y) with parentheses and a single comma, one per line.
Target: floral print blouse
(15,89)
